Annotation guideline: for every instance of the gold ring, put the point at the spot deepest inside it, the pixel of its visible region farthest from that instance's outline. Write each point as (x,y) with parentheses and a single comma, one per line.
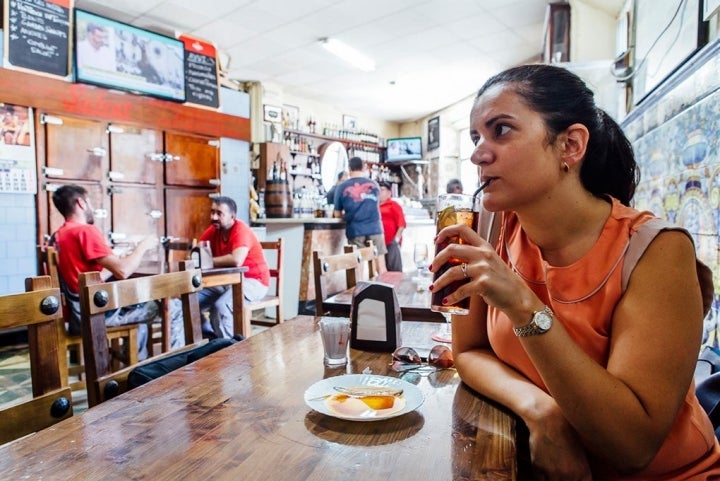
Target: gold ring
(463,268)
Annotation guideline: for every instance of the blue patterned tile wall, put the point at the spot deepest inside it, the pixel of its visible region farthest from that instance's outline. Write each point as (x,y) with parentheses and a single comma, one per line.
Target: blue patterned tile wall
(675,135)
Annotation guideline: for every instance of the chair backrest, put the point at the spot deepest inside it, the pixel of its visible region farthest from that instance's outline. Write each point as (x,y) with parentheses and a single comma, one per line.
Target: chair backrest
(175,252)
(326,283)
(98,297)
(48,264)
(277,271)
(38,309)
(368,256)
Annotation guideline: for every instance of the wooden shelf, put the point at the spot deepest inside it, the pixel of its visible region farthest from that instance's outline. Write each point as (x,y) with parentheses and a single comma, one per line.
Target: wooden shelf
(307,154)
(333,139)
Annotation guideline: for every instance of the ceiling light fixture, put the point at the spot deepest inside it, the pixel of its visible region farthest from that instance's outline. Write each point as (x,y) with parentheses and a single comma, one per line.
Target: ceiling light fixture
(348,54)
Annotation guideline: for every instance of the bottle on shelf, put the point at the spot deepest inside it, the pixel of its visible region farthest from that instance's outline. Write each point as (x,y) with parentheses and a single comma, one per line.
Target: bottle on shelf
(273,174)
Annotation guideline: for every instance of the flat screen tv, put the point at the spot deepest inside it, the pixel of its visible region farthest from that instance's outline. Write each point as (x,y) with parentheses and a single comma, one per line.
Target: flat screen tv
(112,54)
(403,149)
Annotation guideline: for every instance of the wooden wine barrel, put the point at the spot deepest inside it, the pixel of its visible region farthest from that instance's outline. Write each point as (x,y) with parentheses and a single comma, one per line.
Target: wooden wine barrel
(278,200)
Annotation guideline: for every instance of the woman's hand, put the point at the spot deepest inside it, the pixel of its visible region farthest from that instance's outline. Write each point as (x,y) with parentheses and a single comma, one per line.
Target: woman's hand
(488,275)
(556,452)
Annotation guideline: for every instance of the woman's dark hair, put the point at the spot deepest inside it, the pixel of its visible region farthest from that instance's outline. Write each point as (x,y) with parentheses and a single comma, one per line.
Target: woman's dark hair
(563,99)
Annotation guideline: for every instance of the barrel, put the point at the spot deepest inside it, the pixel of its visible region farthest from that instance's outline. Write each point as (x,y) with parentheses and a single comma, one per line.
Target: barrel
(278,200)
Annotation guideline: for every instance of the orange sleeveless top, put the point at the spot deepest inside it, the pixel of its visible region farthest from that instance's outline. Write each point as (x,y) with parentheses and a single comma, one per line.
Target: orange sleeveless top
(583,297)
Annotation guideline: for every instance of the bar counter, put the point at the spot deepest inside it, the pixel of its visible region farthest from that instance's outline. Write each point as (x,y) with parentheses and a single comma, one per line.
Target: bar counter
(302,236)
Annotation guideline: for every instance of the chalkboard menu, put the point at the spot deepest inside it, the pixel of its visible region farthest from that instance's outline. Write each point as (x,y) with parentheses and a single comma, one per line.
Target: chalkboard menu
(201,72)
(37,35)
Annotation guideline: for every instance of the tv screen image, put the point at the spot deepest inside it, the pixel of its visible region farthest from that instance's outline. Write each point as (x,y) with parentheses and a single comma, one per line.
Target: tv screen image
(401,149)
(113,54)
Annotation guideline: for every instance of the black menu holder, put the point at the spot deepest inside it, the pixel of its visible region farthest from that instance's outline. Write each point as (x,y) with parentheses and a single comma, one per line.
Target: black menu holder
(375,317)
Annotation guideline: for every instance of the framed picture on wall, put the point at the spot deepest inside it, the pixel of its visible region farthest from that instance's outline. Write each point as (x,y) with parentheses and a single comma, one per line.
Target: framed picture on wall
(349,122)
(433,133)
(272,113)
(709,8)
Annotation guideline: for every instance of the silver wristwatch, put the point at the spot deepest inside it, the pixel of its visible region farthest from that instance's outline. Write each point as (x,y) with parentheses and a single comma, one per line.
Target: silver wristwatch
(540,323)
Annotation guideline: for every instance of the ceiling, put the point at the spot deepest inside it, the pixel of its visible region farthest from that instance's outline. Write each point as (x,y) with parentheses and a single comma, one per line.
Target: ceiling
(428,53)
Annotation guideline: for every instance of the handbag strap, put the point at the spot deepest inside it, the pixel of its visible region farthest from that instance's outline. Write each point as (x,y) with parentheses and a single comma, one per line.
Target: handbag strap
(640,241)
(489,224)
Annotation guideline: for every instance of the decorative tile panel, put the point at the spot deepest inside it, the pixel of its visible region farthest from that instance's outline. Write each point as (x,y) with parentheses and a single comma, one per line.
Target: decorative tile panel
(675,136)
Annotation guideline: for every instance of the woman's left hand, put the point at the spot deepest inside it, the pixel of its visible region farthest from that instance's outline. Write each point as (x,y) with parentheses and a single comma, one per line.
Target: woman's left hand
(475,259)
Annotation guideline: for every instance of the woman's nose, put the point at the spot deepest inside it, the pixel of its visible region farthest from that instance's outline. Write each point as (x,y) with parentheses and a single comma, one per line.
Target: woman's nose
(480,154)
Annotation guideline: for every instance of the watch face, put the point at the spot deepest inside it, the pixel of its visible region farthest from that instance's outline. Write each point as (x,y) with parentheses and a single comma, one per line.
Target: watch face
(543,321)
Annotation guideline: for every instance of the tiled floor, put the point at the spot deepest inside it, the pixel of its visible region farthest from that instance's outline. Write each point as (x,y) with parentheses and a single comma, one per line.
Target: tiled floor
(15,381)
(15,376)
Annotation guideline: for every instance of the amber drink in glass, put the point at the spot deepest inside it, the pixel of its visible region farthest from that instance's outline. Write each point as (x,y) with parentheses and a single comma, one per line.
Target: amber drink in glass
(453,209)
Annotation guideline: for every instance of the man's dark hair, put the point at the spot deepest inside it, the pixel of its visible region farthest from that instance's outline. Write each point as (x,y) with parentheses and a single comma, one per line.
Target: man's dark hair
(355,164)
(386,185)
(65,198)
(228,202)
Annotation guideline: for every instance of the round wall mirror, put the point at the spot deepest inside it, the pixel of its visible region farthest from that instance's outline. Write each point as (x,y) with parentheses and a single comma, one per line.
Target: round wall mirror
(333,160)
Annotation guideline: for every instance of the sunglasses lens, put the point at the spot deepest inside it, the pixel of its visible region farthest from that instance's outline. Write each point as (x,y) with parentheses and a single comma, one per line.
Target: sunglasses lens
(399,366)
(407,355)
(441,356)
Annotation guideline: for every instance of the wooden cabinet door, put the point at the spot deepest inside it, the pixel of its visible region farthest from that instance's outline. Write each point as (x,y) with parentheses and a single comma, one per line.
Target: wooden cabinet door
(136,154)
(76,149)
(191,160)
(137,212)
(98,201)
(187,212)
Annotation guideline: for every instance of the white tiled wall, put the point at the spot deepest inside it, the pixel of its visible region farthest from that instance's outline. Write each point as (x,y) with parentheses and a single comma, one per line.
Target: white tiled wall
(17,241)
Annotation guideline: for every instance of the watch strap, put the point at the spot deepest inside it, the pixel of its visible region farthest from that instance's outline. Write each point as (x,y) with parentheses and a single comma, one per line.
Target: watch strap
(531,328)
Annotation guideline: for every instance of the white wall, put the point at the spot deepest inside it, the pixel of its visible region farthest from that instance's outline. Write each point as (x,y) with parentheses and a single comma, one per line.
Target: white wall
(592,30)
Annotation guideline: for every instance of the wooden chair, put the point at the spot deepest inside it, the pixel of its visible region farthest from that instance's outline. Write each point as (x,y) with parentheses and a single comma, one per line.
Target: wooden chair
(367,255)
(71,344)
(269,300)
(39,310)
(176,250)
(327,279)
(97,297)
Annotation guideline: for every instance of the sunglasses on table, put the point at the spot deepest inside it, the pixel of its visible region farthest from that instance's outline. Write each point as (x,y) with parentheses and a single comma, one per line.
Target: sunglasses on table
(407,359)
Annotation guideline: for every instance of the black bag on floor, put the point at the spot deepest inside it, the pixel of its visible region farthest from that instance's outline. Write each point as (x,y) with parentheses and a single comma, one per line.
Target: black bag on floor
(155,369)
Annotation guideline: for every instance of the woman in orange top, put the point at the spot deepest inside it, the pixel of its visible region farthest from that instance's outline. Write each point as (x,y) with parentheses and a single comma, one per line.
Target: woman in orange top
(600,373)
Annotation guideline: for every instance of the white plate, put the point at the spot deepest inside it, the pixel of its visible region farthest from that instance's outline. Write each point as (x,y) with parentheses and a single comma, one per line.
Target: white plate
(316,396)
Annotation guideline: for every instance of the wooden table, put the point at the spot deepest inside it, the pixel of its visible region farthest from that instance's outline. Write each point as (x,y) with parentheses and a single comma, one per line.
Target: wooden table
(240,414)
(414,304)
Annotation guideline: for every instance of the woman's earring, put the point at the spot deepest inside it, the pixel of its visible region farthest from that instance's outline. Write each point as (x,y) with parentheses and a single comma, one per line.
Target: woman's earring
(565,167)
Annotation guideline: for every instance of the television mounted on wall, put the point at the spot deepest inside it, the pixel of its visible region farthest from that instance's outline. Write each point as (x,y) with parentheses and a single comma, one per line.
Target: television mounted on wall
(116,55)
(404,149)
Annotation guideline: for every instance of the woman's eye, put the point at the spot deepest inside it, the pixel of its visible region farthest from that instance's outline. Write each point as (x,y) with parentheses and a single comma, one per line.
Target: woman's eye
(474,139)
(501,130)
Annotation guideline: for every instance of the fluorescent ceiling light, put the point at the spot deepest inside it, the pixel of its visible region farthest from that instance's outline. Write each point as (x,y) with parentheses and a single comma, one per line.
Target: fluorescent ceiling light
(348,54)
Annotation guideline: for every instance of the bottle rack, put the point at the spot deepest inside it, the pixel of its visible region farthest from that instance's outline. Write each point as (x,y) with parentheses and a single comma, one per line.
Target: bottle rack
(356,143)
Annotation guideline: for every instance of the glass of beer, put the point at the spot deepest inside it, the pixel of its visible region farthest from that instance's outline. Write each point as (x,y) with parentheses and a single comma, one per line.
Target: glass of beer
(453,209)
